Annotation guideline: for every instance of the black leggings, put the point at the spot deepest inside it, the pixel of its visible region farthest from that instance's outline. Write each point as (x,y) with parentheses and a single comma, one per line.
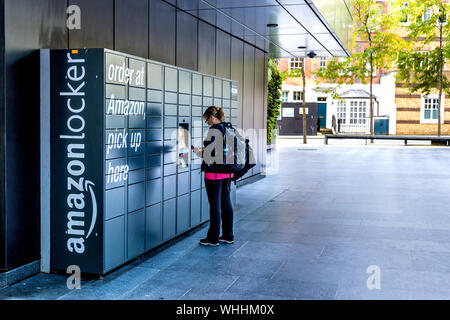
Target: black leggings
(219,201)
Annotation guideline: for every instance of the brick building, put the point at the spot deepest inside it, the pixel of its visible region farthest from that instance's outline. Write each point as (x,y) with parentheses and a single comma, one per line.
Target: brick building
(416,113)
(409,113)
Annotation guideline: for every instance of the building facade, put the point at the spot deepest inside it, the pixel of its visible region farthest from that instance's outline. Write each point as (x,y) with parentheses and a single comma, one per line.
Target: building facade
(383,89)
(152,29)
(408,113)
(218,39)
(416,112)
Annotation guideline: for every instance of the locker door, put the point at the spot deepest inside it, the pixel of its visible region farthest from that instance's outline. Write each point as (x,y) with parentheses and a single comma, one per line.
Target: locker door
(169,219)
(183,218)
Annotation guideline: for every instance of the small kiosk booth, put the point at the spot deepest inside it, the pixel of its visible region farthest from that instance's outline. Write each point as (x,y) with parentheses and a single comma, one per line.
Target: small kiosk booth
(118,175)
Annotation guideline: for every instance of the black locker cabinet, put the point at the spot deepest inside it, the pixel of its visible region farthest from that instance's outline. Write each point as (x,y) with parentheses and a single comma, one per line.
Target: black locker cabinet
(121,131)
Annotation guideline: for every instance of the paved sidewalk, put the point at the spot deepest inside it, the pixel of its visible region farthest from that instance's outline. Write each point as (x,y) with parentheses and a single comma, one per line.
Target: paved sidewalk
(309,232)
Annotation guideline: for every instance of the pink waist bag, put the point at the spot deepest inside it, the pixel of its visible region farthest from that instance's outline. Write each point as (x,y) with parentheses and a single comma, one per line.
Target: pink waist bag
(218,176)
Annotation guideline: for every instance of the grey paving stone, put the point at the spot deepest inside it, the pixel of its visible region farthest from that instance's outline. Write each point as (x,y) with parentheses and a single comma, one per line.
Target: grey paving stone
(99,290)
(134,275)
(195,294)
(292,196)
(246,225)
(113,286)
(303,228)
(265,251)
(287,288)
(193,264)
(424,295)
(222,250)
(184,245)
(321,273)
(376,243)
(305,252)
(384,258)
(271,217)
(350,293)
(161,260)
(277,237)
(335,220)
(173,284)
(155,290)
(308,232)
(410,280)
(399,224)
(38,287)
(248,267)
(200,232)
(431,261)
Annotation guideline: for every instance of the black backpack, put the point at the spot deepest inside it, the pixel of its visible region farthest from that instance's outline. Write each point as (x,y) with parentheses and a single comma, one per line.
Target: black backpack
(234,149)
(249,162)
(244,158)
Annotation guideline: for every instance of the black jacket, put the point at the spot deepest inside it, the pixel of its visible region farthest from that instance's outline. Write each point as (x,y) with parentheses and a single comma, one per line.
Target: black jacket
(218,168)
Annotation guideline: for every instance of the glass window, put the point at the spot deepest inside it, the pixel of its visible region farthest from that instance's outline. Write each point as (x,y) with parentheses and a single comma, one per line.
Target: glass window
(358,111)
(427,15)
(422,61)
(431,108)
(288,112)
(295,63)
(323,63)
(284,96)
(341,111)
(298,96)
(404,13)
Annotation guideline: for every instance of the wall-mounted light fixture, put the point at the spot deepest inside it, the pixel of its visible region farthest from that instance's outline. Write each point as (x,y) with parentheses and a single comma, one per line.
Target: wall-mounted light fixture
(311,54)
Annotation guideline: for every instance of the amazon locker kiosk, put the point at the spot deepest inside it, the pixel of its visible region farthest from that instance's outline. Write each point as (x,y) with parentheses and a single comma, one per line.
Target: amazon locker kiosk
(123,178)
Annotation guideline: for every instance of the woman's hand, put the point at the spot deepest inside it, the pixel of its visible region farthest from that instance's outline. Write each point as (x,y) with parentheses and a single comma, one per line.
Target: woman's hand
(198,151)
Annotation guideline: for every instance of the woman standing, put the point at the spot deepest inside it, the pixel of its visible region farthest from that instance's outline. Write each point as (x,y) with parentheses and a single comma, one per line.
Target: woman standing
(217,181)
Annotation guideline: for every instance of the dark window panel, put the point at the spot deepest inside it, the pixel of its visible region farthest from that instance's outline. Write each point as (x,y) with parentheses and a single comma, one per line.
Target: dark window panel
(237,71)
(25,27)
(206,48)
(223,55)
(186,41)
(249,85)
(96,25)
(162,32)
(131,27)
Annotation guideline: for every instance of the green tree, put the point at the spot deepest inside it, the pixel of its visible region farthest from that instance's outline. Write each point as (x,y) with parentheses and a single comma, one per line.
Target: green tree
(375,47)
(273,98)
(419,66)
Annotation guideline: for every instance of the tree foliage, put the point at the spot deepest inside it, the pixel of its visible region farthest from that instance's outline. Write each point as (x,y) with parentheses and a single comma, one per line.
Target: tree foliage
(273,98)
(421,65)
(418,65)
(421,70)
(373,27)
(375,47)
